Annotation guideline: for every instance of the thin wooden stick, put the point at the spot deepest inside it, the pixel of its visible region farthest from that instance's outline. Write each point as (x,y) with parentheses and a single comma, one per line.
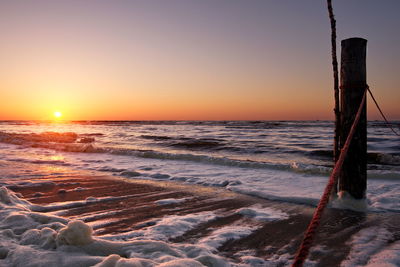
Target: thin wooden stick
(336,143)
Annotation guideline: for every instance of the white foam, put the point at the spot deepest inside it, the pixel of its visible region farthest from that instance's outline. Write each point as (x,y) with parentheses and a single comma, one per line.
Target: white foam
(115,260)
(384,195)
(168,201)
(76,233)
(263,213)
(346,201)
(30,238)
(389,257)
(168,227)
(79,189)
(221,235)
(78,203)
(254,261)
(369,244)
(8,198)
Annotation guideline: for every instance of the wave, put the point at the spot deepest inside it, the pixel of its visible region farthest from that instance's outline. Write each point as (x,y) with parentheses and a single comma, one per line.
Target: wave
(72,142)
(372,157)
(254,124)
(223,161)
(45,137)
(69,141)
(303,168)
(383,158)
(57,141)
(382,124)
(156,137)
(40,161)
(92,134)
(187,142)
(198,143)
(16,138)
(297,167)
(372,139)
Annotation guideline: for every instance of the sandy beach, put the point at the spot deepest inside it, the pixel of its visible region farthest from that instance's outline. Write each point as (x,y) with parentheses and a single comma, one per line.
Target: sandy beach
(115,205)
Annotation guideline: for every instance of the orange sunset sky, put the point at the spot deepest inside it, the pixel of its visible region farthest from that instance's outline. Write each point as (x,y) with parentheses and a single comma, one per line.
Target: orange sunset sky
(188,60)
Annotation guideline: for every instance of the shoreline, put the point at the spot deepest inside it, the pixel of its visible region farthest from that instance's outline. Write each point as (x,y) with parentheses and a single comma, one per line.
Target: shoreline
(116,205)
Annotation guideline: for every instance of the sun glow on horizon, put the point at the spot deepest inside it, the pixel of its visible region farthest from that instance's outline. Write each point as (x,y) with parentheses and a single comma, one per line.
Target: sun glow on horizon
(57,114)
(120,60)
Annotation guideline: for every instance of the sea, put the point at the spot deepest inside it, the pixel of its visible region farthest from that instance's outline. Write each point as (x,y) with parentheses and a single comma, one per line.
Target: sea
(280,160)
(285,162)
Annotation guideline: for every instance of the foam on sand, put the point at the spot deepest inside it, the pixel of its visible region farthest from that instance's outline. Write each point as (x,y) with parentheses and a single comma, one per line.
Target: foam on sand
(367,249)
(30,238)
(76,233)
(345,201)
(167,227)
(390,257)
(169,201)
(221,235)
(263,213)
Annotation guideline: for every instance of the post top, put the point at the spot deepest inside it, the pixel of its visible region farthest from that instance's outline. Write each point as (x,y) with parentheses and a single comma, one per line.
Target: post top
(354,40)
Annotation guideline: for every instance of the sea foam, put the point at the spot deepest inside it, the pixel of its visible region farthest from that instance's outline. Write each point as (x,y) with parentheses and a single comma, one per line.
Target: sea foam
(30,238)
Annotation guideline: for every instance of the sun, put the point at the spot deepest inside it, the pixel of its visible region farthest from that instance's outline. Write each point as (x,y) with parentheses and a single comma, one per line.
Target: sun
(57,114)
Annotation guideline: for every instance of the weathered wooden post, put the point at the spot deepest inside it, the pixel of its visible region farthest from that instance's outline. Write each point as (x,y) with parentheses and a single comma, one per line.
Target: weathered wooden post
(353,178)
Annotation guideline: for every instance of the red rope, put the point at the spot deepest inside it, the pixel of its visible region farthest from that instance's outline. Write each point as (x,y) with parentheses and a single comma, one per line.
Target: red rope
(383,115)
(306,244)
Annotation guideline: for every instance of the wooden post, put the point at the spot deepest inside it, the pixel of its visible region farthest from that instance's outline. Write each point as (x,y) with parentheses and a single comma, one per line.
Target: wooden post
(353,75)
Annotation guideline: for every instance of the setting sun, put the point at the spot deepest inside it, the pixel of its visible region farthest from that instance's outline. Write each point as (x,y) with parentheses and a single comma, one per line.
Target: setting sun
(57,114)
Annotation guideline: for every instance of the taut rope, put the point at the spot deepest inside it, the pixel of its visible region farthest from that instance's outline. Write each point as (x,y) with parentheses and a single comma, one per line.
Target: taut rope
(306,244)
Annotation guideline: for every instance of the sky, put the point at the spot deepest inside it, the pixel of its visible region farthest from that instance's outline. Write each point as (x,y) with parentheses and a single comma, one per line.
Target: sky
(187,59)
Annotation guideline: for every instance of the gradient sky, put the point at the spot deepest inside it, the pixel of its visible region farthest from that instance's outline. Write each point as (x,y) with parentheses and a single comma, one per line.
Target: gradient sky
(186,59)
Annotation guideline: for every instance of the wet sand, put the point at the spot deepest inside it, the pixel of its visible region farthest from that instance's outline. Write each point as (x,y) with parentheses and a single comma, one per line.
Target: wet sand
(132,205)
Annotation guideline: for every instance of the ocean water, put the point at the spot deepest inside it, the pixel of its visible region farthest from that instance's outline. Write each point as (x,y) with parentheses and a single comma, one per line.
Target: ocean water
(285,160)
(288,161)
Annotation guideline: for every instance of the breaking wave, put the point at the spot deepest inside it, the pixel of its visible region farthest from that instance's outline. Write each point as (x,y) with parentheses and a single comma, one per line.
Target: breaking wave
(383,158)
(85,143)
(187,142)
(372,157)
